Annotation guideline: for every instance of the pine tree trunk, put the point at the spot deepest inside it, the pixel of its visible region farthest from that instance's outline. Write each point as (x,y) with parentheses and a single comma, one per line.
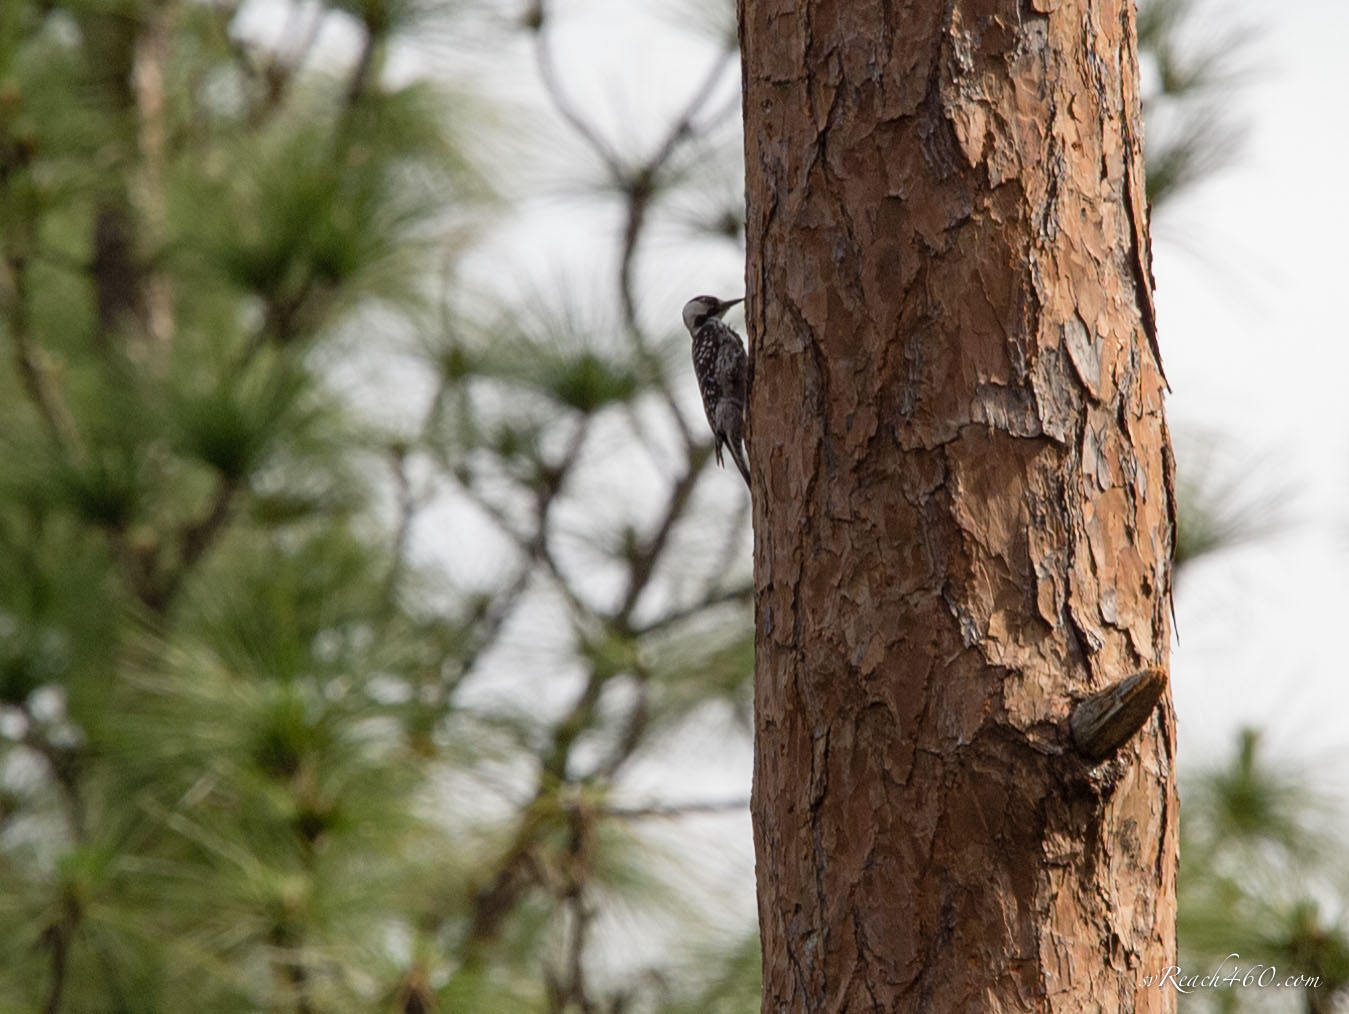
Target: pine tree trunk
(963,511)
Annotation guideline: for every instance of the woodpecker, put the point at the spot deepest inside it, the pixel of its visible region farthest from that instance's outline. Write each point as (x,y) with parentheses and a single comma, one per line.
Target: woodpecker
(719,364)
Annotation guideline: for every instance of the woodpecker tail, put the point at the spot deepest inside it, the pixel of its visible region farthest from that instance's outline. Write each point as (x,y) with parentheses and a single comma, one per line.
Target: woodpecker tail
(738,456)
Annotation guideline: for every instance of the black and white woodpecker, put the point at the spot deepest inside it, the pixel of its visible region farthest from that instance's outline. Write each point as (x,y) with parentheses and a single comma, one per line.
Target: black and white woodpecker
(719,363)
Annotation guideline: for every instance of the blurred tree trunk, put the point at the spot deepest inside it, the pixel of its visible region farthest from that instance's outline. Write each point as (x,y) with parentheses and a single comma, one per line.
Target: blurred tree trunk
(963,512)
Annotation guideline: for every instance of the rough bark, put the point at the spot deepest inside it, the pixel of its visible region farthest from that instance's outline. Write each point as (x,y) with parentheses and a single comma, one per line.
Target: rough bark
(963,508)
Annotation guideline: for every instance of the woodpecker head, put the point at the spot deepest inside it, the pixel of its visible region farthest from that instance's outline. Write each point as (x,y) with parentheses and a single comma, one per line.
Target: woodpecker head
(700,309)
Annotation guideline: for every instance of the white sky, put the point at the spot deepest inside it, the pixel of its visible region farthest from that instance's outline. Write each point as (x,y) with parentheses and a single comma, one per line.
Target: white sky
(1250,269)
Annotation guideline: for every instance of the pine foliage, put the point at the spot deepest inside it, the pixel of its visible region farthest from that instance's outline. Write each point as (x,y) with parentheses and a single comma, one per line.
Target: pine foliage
(335,606)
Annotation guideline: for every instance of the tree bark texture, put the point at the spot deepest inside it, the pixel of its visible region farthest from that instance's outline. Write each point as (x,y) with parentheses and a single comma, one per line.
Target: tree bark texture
(963,509)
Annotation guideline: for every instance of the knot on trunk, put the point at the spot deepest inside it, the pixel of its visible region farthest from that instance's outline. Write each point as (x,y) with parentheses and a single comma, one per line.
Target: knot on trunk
(1105,721)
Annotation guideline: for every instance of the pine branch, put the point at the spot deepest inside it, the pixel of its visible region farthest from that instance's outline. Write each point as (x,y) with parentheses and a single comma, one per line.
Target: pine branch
(34,377)
(193,541)
(359,82)
(407,510)
(60,935)
(634,728)
(1109,718)
(737,593)
(641,183)
(561,101)
(643,567)
(640,187)
(659,811)
(152,49)
(59,938)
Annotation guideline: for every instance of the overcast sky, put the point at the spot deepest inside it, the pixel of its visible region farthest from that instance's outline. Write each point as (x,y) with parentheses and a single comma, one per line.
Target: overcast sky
(1251,277)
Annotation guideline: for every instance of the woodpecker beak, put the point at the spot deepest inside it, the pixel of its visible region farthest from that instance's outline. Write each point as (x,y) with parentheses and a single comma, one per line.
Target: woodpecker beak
(728,304)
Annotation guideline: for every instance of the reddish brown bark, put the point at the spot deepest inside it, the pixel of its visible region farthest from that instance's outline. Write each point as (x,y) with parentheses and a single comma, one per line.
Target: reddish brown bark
(963,514)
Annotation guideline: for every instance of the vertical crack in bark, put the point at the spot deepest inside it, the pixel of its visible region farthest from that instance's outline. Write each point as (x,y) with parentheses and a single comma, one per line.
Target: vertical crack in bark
(819,787)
